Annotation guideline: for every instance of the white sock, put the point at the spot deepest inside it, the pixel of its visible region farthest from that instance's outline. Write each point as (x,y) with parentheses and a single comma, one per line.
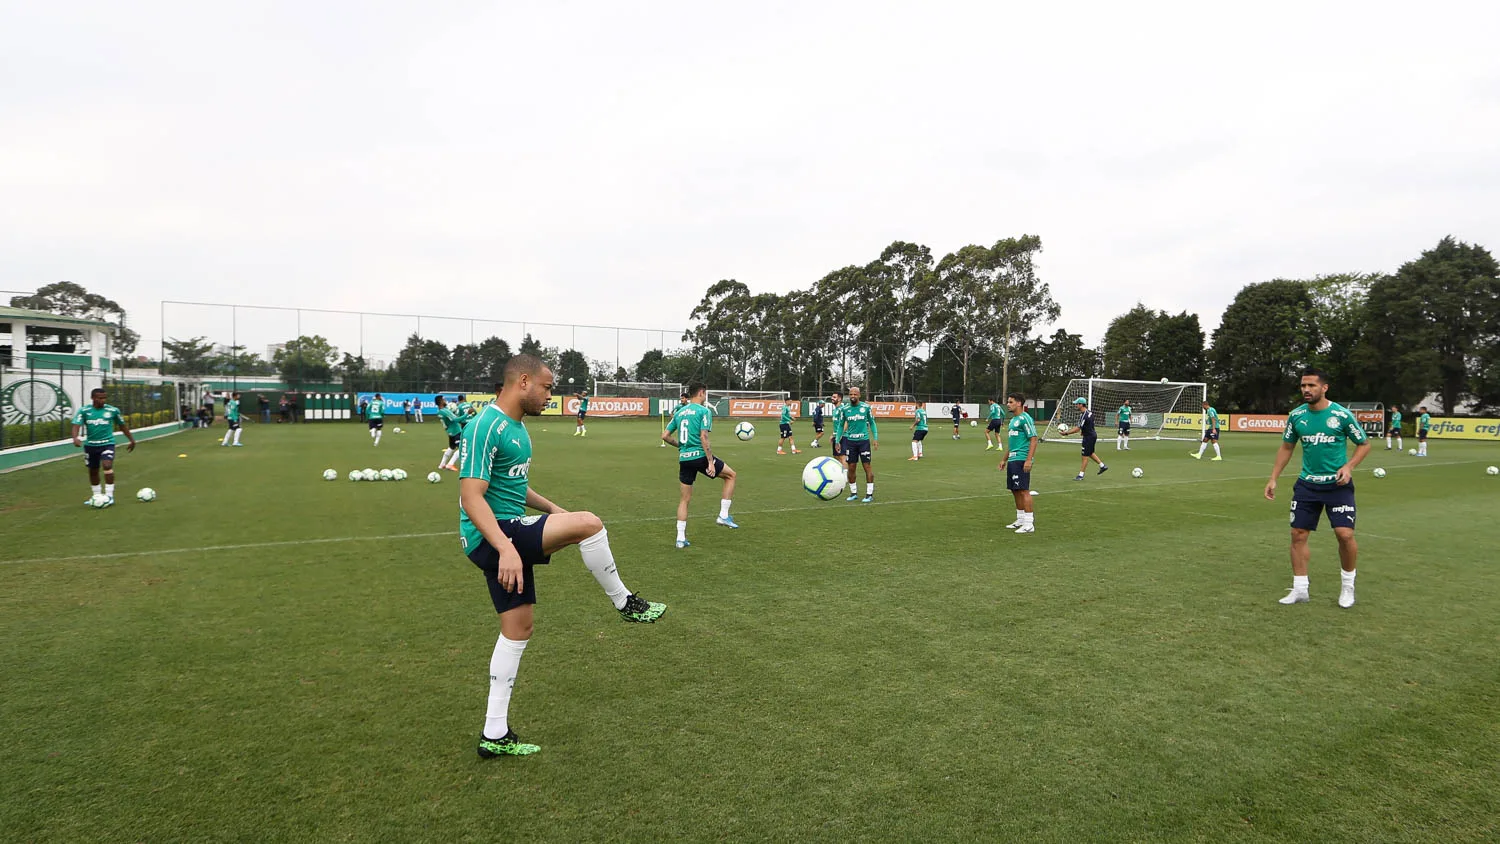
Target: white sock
(504,664)
(870,489)
(853,488)
(1029,518)
(443,461)
(1021,516)
(237,435)
(98,489)
(921,448)
(1398,442)
(226,438)
(109,490)
(1387,442)
(1217,453)
(1201,448)
(1348,577)
(914,445)
(723,508)
(1299,583)
(601,563)
(682,531)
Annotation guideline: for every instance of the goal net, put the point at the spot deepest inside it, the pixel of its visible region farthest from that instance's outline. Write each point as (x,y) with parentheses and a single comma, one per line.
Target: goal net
(747,402)
(1160,411)
(663,395)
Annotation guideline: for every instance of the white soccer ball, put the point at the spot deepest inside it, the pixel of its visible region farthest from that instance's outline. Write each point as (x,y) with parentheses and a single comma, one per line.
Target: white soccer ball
(386,475)
(146,494)
(1492,470)
(1412,452)
(396,429)
(1062,429)
(398,474)
(356,475)
(823,477)
(1164,380)
(434,477)
(745,431)
(973,423)
(329,475)
(1137,472)
(1379,473)
(99,502)
(369,475)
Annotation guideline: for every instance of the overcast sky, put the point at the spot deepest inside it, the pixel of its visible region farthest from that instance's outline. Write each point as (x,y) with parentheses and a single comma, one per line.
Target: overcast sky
(603,163)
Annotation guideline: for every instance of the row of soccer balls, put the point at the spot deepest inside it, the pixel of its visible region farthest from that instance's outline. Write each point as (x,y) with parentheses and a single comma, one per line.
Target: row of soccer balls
(824,477)
(99,502)
(378,475)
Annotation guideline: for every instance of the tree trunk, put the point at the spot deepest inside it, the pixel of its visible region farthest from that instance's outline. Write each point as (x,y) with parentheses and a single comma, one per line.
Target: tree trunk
(964,391)
(1005,362)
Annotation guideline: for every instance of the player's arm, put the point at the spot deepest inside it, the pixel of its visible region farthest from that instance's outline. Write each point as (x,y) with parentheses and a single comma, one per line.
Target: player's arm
(874,432)
(1283,456)
(125,427)
(1031,453)
(708,452)
(471,492)
(77,433)
(669,436)
(535,501)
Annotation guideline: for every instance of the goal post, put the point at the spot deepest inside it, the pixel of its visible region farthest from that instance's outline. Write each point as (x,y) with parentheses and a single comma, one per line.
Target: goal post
(663,395)
(1161,411)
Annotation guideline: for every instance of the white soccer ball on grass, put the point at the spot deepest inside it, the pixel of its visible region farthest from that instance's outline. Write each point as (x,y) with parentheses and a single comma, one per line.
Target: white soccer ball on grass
(146,494)
(356,475)
(99,502)
(1492,470)
(1137,472)
(823,477)
(369,475)
(1379,473)
(387,475)
(398,474)
(397,429)
(329,475)
(745,431)
(434,477)
(973,423)
(1412,452)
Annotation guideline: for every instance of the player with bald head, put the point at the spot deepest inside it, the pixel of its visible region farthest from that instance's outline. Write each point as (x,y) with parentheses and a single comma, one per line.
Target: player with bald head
(506,544)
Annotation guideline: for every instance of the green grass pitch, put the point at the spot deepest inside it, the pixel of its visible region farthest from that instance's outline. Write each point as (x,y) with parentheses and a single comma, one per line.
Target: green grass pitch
(261,655)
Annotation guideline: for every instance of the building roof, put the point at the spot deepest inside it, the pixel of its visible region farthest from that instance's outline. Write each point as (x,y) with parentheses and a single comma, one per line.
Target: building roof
(8,314)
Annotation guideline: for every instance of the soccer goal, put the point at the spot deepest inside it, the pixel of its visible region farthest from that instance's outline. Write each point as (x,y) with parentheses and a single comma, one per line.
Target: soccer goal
(1171,410)
(663,395)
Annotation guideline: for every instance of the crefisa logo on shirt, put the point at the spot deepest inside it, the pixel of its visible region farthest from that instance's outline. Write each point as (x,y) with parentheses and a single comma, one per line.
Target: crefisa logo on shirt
(520,470)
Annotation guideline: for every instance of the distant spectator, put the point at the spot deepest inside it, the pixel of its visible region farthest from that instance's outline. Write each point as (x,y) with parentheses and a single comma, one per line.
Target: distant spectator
(265,407)
(205,417)
(283,410)
(185,414)
(292,406)
(416,409)
(406,409)
(364,404)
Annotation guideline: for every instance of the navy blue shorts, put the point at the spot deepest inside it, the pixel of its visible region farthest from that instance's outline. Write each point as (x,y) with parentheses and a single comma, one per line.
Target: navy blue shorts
(582,415)
(454,440)
(955,421)
(1309,501)
(856,451)
(377,424)
(918,435)
(1211,435)
(93,455)
(1124,429)
(1088,446)
(1017,479)
(689,470)
(526,535)
(786,430)
(994,425)
(234,424)
(817,427)
(1421,435)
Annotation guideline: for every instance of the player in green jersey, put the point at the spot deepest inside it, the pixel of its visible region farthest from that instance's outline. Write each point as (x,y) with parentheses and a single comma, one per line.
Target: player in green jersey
(453,430)
(786,429)
(688,433)
(993,426)
(1424,422)
(918,432)
(1210,433)
(1022,442)
(836,420)
(1122,433)
(1395,428)
(583,413)
(1326,481)
(94,429)
(506,544)
(666,425)
(232,419)
(858,438)
(375,417)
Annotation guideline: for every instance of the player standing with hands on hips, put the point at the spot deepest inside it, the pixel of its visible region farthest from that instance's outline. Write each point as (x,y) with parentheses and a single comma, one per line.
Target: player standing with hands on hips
(1326,481)
(1018,461)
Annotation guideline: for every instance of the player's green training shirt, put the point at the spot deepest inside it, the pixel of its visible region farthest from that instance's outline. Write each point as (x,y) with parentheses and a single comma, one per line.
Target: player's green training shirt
(98,423)
(690,422)
(1211,419)
(859,422)
(1323,434)
(1022,429)
(921,419)
(583,405)
(786,414)
(451,426)
(1124,414)
(838,416)
(1424,421)
(994,412)
(232,410)
(497,449)
(376,410)
(1396,420)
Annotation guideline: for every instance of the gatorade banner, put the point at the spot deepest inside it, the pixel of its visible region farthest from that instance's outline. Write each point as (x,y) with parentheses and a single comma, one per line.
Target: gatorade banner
(1464,428)
(761,407)
(605,406)
(1253,423)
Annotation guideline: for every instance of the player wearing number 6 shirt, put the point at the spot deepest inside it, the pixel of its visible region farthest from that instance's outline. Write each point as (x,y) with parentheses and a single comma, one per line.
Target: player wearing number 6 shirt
(1326,482)
(506,544)
(689,431)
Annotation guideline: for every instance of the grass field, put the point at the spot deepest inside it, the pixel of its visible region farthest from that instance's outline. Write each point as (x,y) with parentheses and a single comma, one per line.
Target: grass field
(261,655)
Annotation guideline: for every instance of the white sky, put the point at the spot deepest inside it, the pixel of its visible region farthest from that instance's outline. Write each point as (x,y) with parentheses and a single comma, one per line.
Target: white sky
(603,163)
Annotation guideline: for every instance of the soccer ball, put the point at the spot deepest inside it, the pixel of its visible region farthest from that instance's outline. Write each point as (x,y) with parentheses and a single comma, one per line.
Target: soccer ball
(99,502)
(823,477)
(434,477)
(369,475)
(1137,472)
(1164,380)
(387,475)
(745,431)
(973,423)
(398,474)
(1062,429)
(396,430)
(1412,452)
(356,475)
(1379,473)
(1492,470)
(146,494)
(329,474)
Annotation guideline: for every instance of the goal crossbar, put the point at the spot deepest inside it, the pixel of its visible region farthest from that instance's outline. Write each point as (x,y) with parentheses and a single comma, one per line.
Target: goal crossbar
(1171,410)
